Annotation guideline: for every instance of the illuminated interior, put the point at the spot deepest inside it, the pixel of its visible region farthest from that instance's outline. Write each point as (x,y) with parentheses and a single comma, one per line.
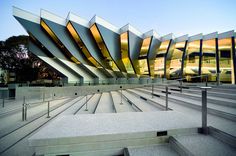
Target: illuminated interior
(98,38)
(226,60)
(209,59)
(143,65)
(175,61)
(81,45)
(58,42)
(191,62)
(125,53)
(160,59)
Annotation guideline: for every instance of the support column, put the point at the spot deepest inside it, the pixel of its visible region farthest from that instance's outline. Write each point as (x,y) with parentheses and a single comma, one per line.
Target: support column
(204,109)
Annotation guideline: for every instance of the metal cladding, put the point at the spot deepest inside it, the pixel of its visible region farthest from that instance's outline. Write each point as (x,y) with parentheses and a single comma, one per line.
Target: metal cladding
(96,52)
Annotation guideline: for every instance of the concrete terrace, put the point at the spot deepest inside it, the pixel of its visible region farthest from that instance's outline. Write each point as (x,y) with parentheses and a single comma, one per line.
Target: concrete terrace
(134,121)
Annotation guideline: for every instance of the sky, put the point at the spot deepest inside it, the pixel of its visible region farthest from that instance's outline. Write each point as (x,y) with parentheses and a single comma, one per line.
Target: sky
(179,17)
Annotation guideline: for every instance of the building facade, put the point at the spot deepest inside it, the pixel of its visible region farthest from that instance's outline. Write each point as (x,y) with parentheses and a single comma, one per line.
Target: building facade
(97,52)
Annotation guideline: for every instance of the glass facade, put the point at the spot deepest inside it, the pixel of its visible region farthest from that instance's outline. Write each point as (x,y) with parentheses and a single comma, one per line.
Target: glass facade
(143,64)
(151,57)
(192,58)
(81,45)
(225,60)
(208,65)
(159,64)
(125,53)
(58,42)
(98,38)
(175,61)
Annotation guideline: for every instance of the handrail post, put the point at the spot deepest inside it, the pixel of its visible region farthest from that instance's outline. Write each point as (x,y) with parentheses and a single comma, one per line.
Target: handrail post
(43,96)
(218,79)
(166,98)
(3,101)
(152,90)
(23,109)
(181,83)
(121,96)
(86,109)
(26,111)
(48,109)
(204,109)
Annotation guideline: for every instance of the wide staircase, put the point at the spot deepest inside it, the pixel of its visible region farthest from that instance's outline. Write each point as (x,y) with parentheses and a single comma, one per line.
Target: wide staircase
(167,126)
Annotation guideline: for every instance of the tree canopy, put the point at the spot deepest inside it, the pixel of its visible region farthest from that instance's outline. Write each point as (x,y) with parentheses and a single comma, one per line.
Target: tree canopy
(16,57)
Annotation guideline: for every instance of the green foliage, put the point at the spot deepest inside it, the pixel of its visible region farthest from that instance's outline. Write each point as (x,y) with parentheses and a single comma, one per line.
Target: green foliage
(14,53)
(15,57)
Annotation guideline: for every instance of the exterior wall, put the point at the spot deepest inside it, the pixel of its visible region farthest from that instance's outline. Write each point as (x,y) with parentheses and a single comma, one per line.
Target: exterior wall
(83,71)
(135,43)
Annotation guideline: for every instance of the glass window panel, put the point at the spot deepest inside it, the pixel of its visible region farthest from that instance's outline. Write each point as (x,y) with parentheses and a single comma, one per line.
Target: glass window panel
(225,59)
(81,45)
(58,42)
(163,47)
(145,47)
(128,65)
(143,67)
(176,60)
(160,59)
(209,59)
(159,66)
(191,63)
(125,53)
(102,47)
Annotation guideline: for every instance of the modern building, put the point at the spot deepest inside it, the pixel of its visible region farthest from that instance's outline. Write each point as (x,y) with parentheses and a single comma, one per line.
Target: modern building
(96,52)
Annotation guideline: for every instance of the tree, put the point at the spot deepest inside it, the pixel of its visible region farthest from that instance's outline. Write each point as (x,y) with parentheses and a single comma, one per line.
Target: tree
(15,57)
(14,53)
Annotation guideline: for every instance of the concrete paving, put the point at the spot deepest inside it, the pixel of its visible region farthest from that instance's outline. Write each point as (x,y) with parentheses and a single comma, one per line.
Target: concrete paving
(125,106)
(111,123)
(105,104)
(86,126)
(13,120)
(152,150)
(17,142)
(205,145)
(223,124)
(108,128)
(143,105)
(182,97)
(91,105)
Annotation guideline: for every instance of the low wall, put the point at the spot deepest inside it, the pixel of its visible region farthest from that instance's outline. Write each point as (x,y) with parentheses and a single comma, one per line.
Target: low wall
(56,92)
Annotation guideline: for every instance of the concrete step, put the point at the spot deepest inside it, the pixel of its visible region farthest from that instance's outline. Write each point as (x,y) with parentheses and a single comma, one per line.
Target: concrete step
(153,150)
(125,106)
(201,145)
(147,99)
(215,89)
(91,104)
(217,98)
(105,104)
(74,108)
(141,104)
(215,120)
(14,121)
(221,89)
(212,93)
(223,111)
(108,131)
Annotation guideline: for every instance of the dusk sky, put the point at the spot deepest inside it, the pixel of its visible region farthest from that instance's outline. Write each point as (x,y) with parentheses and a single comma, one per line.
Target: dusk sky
(165,16)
